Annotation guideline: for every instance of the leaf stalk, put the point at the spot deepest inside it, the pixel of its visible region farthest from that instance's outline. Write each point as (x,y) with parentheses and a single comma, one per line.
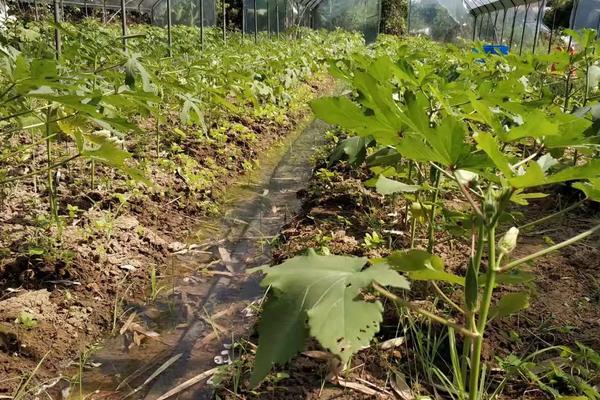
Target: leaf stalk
(433,317)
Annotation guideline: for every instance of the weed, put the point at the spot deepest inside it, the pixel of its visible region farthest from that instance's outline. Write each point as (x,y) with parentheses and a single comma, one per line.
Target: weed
(373,240)
(27,320)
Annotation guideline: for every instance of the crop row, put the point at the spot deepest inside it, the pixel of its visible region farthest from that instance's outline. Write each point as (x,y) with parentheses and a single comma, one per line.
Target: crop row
(429,120)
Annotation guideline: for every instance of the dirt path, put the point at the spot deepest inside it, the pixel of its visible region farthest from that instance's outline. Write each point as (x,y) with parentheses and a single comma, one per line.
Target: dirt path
(213,304)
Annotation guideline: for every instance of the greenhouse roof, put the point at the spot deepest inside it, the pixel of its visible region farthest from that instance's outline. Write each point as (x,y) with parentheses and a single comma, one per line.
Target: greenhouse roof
(477,7)
(143,5)
(310,4)
(139,5)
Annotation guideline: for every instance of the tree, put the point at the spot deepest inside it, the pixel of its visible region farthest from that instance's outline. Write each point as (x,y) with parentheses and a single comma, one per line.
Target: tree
(559,13)
(393,17)
(3,13)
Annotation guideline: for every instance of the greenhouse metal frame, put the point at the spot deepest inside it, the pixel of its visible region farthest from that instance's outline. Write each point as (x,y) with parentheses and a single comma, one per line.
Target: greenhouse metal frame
(272,16)
(529,20)
(517,24)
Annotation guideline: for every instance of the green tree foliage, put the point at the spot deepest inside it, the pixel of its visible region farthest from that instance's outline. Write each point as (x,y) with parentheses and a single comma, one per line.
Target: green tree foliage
(558,14)
(394,15)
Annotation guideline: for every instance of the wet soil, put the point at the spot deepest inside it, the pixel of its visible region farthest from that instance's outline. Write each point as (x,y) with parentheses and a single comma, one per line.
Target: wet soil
(61,291)
(213,301)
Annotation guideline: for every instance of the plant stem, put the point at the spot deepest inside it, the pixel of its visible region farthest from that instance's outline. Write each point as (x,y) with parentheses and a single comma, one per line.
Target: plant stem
(445,297)
(556,214)
(469,314)
(587,79)
(431,241)
(568,84)
(413,226)
(11,99)
(17,115)
(37,125)
(24,149)
(480,246)
(464,191)
(8,89)
(410,171)
(550,249)
(49,168)
(157,136)
(452,177)
(52,197)
(483,315)
(413,230)
(526,160)
(431,316)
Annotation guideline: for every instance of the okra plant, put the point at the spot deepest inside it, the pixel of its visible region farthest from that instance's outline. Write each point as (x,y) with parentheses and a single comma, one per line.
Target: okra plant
(484,129)
(93,104)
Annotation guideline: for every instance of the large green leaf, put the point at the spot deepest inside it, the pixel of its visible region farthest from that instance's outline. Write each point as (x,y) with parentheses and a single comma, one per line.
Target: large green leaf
(43,68)
(353,148)
(522,198)
(134,67)
(282,334)
(376,94)
(190,111)
(591,188)
(417,118)
(489,145)
(445,144)
(342,112)
(100,148)
(572,130)
(536,125)
(512,277)
(383,69)
(585,171)
(422,266)
(534,175)
(387,156)
(449,141)
(484,114)
(389,186)
(320,295)
(414,148)
(510,303)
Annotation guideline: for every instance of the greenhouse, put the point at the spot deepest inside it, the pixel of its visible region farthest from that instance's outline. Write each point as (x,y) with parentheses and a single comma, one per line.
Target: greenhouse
(300,199)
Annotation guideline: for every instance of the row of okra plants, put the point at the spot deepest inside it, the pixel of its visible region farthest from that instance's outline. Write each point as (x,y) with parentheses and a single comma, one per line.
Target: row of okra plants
(101,103)
(428,120)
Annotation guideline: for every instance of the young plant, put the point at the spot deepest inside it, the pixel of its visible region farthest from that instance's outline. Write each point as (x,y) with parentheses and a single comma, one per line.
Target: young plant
(373,240)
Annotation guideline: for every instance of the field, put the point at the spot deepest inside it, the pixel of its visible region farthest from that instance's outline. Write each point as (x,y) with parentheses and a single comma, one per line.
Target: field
(436,236)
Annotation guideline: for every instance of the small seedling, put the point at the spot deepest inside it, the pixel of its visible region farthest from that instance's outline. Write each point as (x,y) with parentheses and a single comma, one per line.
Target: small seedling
(373,240)
(27,320)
